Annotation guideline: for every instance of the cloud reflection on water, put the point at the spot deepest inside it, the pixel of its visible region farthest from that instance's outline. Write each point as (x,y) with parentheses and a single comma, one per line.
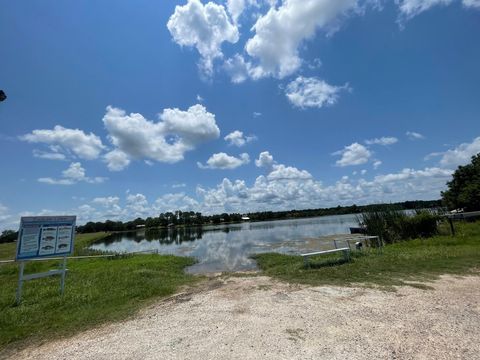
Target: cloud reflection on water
(228,247)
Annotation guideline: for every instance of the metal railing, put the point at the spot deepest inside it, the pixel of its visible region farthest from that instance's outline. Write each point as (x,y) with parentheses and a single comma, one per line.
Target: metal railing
(460,216)
(84,256)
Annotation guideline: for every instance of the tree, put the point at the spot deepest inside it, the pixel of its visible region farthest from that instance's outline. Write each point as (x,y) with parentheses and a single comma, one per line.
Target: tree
(8,236)
(464,189)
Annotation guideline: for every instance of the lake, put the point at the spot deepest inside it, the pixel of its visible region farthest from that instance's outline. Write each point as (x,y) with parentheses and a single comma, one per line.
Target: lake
(228,247)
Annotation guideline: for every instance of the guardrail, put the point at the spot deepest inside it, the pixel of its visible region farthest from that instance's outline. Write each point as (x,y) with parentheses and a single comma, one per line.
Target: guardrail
(463,215)
(460,216)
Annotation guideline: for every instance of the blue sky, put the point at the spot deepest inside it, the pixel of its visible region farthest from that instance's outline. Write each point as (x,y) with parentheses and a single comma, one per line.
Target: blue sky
(118,109)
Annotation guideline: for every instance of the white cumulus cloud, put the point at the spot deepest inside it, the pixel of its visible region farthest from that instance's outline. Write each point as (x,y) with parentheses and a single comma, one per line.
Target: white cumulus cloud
(354,154)
(204,27)
(174,202)
(282,172)
(461,155)
(116,160)
(283,187)
(85,146)
(224,161)
(237,138)
(265,160)
(238,68)
(384,140)
(306,92)
(280,32)
(412,135)
(137,205)
(407,173)
(286,187)
(111,204)
(75,173)
(135,137)
(235,8)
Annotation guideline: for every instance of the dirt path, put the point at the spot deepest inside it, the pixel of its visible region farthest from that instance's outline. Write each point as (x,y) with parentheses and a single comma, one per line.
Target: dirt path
(259,318)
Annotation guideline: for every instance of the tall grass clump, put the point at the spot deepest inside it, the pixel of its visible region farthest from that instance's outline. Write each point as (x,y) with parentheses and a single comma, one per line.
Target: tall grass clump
(392,226)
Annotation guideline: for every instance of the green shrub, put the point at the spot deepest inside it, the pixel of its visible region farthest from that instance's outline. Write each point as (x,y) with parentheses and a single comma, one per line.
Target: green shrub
(423,224)
(8,236)
(392,226)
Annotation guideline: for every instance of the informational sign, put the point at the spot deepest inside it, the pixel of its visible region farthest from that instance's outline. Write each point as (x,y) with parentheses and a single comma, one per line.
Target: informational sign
(45,236)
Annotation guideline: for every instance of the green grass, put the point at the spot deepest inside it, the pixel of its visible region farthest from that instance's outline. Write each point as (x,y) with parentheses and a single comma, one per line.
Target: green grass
(7,251)
(97,291)
(415,260)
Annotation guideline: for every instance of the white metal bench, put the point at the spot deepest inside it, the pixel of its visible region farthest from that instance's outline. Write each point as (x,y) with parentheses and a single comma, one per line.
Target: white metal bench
(363,239)
(345,251)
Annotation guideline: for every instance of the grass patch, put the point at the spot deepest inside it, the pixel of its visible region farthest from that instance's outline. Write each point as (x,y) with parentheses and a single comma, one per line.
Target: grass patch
(415,261)
(421,286)
(7,251)
(316,262)
(97,291)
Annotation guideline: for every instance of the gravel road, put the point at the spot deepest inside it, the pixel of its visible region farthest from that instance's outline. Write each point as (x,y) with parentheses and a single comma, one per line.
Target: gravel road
(260,318)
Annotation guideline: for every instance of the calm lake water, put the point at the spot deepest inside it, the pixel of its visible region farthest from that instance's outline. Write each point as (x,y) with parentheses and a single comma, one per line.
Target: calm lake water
(228,247)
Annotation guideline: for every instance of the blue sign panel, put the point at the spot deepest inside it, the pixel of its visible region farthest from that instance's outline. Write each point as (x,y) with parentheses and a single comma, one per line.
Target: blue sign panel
(45,236)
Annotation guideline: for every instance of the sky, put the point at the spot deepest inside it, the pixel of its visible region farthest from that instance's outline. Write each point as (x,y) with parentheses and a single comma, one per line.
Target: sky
(118,109)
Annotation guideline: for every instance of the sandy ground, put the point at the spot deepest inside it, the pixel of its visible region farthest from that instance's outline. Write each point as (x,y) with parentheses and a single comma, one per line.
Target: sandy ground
(259,318)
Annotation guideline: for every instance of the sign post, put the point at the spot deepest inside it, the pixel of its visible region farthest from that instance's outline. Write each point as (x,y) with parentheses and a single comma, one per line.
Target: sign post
(44,237)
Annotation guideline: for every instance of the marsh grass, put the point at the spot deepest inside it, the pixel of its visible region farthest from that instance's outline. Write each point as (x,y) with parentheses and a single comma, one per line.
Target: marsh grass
(392,225)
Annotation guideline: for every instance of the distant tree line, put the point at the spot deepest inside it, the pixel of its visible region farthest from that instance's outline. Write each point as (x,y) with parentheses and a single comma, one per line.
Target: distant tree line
(190,218)
(178,218)
(8,236)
